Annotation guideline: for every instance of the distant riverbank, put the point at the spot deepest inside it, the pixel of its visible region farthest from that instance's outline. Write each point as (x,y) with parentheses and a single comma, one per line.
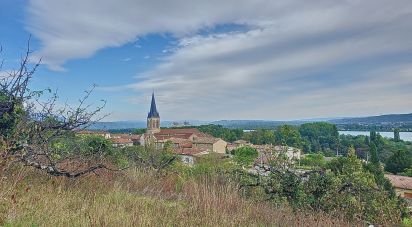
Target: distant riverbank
(406,136)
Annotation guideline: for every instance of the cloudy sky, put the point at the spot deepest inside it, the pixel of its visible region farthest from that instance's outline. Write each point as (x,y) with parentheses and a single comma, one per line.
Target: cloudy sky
(220,59)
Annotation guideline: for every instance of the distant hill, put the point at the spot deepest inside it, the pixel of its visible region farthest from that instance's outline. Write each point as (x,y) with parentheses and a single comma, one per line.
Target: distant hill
(135,124)
(383,122)
(254,124)
(382,119)
(117,125)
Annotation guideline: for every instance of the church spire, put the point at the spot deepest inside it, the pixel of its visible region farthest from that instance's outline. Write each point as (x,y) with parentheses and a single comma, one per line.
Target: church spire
(153,110)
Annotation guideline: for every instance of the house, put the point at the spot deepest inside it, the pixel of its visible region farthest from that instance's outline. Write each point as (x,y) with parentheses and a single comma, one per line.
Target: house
(121,142)
(210,144)
(238,144)
(402,185)
(135,138)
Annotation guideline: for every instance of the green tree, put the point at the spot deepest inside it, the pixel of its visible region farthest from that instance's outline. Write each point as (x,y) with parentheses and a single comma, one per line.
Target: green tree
(139,131)
(398,162)
(366,141)
(97,144)
(288,135)
(245,155)
(322,136)
(260,136)
(168,146)
(373,153)
(372,135)
(314,160)
(396,135)
(10,112)
(219,131)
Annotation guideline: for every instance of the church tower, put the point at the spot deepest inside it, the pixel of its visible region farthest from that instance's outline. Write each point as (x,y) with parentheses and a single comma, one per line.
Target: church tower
(153,118)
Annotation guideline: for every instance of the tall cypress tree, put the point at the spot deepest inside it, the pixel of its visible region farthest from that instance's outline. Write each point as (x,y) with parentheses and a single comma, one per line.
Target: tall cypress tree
(366,140)
(396,135)
(373,153)
(372,136)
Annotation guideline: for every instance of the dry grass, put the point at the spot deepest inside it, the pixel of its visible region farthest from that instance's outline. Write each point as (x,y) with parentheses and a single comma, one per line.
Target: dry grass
(137,198)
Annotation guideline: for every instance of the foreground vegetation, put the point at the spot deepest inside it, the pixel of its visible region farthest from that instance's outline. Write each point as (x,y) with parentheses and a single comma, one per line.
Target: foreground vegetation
(138,197)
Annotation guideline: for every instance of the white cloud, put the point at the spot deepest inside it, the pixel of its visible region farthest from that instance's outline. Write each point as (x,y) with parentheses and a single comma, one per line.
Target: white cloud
(70,29)
(313,58)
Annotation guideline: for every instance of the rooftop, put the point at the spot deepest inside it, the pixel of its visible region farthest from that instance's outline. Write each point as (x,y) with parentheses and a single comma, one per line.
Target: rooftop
(121,140)
(400,181)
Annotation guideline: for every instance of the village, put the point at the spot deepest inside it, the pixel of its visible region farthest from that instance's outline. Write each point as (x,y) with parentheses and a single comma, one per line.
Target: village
(190,144)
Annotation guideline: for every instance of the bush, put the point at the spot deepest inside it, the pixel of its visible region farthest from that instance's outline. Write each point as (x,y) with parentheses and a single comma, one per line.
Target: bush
(313,160)
(348,190)
(398,162)
(245,155)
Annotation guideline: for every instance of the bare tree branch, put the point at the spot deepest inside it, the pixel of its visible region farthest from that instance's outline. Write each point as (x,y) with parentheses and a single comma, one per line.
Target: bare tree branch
(39,121)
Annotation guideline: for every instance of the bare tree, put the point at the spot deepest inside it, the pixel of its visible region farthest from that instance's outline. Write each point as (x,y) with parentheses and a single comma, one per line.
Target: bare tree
(30,123)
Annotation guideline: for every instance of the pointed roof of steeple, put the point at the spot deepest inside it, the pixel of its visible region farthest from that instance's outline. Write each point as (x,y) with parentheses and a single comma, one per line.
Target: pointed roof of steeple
(153,110)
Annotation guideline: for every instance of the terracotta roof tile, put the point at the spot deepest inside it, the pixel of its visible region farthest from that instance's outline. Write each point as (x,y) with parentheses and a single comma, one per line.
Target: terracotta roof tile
(189,151)
(121,140)
(126,136)
(179,131)
(208,140)
(400,181)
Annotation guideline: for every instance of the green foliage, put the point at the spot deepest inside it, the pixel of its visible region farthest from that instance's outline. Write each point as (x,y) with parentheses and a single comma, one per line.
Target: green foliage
(322,137)
(245,155)
(407,222)
(398,162)
(219,131)
(407,172)
(373,153)
(95,144)
(373,135)
(127,156)
(260,136)
(313,160)
(9,118)
(168,146)
(85,145)
(139,131)
(288,135)
(349,190)
(157,158)
(396,135)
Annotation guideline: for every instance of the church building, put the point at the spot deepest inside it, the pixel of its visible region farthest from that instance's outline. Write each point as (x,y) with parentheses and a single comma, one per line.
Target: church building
(187,142)
(153,118)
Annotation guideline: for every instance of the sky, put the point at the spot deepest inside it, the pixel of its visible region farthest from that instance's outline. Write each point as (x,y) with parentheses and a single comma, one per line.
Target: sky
(213,60)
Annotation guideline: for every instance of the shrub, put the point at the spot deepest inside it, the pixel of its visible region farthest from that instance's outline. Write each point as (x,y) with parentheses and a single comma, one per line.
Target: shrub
(313,160)
(245,155)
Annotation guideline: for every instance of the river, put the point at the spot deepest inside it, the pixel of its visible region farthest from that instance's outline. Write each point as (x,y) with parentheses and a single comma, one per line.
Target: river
(406,136)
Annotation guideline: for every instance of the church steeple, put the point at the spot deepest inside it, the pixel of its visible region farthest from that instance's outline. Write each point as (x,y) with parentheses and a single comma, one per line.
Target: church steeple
(153,118)
(153,110)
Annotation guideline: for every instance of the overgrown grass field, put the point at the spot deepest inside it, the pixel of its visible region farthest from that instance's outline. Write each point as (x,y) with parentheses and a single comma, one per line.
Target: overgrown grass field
(138,198)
